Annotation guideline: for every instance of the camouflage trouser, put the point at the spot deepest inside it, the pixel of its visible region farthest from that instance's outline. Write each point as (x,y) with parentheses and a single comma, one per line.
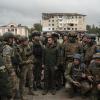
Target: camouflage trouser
(71,88)
(8,83)
(66,64)
(14,82)
(95,95)
(26,70)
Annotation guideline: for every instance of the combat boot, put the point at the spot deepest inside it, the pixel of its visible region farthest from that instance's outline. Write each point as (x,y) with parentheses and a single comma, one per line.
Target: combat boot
(31,92)
(45,92)
(53,92)
(71,94)
(23,98)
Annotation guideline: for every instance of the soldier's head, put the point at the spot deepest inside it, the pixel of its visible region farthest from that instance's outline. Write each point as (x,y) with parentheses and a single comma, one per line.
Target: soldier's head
(72,36)
(84,38)
(65,37)
(96,57)
(48,34)
(8,37)
(50,40)
(24,40)
(77,59)
(55,36)
(36,36)
(89,39)
(17,39)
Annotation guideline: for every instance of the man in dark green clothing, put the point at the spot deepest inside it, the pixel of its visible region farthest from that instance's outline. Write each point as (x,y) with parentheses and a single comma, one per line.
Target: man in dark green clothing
(50,62)
(94,76)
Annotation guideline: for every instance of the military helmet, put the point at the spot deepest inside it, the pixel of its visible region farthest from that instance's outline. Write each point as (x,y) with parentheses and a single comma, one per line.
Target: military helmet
(77,56)
(35,34)
(23,38)
(65,34)
(49,34)
(55,35)
(7,35)
(17,37)
(72,34)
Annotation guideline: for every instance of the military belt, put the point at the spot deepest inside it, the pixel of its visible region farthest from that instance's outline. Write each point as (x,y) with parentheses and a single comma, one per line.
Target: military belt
(69,59)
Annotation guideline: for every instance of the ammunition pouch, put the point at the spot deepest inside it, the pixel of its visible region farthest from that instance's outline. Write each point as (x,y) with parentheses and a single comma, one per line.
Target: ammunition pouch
(69,58)
(2,68)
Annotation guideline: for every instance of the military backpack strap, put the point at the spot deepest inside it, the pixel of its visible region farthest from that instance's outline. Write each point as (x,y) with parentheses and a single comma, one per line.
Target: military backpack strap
(70,67)
(68,72)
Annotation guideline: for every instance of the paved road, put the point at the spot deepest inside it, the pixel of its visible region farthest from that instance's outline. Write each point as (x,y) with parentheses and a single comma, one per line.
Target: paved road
(60,95)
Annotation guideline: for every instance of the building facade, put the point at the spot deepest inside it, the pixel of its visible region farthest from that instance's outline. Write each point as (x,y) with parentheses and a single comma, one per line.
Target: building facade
(63,22)
(15,29)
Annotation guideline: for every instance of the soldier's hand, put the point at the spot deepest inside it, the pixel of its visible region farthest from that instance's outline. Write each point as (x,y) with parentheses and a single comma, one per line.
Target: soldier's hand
(76,83)
(90,78)
(43,66)
(55,67)
(29,61)
(42,75)
(83,75)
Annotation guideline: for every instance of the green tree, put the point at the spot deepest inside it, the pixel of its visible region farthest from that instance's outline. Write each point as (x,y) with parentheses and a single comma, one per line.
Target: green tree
(88,28)
(31,30)
(93,29)
(38,27)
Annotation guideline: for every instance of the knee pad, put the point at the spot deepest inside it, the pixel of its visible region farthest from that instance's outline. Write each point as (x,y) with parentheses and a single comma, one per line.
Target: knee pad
(85,86)
(68,86)
(98,87)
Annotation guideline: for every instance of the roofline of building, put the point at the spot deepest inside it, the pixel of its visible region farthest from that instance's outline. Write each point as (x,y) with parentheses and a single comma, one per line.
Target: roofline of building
(63,14)
(14,27)
(66,31)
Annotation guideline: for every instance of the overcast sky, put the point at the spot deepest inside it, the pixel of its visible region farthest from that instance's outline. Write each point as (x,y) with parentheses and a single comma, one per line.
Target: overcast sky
(28,12)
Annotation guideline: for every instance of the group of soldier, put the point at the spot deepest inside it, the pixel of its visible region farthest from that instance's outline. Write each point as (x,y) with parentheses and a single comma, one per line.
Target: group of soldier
(44,62)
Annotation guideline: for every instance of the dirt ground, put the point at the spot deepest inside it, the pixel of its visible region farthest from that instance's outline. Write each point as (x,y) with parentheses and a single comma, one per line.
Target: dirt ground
(60,95)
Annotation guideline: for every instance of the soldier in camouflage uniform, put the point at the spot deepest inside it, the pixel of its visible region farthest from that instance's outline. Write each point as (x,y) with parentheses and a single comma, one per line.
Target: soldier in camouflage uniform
(71,47)
(5,87)
(94,76)
(4,79)
(89,50)
(7,54)
(65,39)
(84,45)
(26,67)
(75,75)
(16,58)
